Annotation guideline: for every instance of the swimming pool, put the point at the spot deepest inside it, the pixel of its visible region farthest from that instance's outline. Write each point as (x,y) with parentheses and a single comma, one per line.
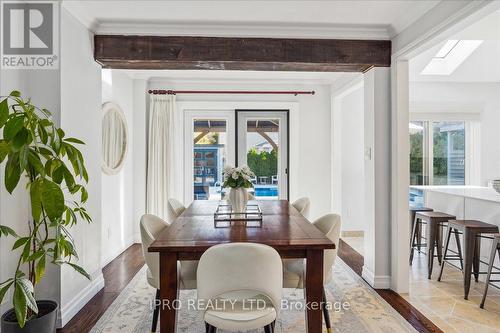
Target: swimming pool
(266,191)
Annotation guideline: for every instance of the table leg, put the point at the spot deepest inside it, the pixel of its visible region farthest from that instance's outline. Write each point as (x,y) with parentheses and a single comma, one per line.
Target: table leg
(168,291)
(314,290)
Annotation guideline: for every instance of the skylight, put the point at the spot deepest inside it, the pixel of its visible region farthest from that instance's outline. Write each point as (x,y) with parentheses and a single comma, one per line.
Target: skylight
(450,56)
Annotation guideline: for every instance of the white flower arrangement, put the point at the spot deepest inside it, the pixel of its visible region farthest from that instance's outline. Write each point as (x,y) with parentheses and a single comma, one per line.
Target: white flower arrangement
(237,177)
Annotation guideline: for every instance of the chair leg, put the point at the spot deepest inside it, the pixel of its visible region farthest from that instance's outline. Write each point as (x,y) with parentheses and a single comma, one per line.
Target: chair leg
(494,247)
(446,245)
(326,315)
(212,329)
(156,311)
(268,328)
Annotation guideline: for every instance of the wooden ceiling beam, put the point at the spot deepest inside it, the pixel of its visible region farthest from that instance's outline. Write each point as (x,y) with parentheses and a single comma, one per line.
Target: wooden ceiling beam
(229,53)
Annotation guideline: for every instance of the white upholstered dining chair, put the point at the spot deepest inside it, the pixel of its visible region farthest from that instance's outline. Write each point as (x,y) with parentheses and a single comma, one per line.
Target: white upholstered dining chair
(294,270)
(302,205)
(151,226)
(175,208)
(248,279)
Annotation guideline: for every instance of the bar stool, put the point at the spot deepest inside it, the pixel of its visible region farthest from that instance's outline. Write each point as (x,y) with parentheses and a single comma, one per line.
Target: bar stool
(495,247)
(435,221)
(472,230)
(416,236)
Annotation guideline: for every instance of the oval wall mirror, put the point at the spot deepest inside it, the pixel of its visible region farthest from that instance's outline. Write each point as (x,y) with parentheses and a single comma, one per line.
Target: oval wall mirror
(114,138)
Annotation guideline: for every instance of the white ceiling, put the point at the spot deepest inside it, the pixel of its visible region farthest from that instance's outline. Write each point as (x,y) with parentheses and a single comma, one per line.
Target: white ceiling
(258,18)
(483,65)
(241,77)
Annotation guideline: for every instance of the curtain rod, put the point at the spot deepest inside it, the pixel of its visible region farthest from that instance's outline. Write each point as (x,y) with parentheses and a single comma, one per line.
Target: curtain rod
(175,92)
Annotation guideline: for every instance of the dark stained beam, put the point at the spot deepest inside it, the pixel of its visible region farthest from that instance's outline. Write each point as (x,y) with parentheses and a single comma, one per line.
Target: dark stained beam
(222,53)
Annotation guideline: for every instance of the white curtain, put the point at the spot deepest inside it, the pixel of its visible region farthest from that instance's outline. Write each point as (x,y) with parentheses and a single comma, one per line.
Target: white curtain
(160,180)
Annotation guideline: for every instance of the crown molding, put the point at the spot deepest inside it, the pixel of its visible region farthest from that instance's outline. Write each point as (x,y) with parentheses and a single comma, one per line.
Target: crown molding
(257,29)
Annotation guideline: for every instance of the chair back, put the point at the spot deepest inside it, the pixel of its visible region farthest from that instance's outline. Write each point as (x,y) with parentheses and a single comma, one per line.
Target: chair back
(237,268)
(303,205)
(151,226)
(175,208)
(330,226)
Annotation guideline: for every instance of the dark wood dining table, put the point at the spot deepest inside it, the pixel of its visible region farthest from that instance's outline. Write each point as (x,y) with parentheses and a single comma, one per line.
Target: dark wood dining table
(283,228)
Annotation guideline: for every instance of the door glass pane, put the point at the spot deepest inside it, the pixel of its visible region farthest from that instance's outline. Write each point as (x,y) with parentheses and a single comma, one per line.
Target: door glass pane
(262,156)
(417,153)
(209,158)
(417,176)
(448,153)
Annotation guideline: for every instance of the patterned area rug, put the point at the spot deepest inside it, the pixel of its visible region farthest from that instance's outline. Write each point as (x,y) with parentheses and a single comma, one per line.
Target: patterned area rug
(356,307)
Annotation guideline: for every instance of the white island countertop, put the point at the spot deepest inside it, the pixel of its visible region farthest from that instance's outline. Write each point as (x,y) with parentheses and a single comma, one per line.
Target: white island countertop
(473,192)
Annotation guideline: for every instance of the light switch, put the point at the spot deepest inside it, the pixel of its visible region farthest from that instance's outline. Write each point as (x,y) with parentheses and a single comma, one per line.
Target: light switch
(368,154)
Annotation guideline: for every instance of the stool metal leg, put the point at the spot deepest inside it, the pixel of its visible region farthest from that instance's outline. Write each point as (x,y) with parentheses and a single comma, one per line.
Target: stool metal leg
(469,249)
(459,249)
(477,257)
(439,243)
(446,245)
(431,244)
(413,239)
(494,248)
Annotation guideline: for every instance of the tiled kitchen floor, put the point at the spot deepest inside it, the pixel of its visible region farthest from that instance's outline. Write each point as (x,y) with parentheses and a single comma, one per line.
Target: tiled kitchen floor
(443,302)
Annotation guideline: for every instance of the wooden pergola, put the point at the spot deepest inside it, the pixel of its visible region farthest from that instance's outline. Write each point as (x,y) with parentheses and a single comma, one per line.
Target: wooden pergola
(262,127)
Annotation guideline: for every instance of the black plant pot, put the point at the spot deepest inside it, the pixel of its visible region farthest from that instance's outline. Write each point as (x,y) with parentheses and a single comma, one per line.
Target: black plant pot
(44,323)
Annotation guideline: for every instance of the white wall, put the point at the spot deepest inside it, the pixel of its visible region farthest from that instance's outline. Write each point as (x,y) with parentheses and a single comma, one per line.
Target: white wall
(314,167)
(81,117)
(377,130)
(352,159)
(43,87)
(483,98)
(118,189)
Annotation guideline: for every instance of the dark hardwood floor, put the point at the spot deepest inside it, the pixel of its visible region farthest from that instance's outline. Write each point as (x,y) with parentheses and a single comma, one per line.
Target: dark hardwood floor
(119,272)
(355,260)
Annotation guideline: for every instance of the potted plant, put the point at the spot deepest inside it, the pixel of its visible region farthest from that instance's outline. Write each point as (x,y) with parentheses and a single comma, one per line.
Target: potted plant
(238,180)
(41,159)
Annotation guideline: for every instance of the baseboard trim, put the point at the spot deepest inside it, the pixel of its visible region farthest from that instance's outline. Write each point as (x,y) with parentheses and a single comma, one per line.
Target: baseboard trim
(352,233)
(68,311)
(377,282)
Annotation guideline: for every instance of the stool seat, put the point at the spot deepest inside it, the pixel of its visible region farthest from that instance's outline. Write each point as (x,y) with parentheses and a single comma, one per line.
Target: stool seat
(483,227)
(436,215)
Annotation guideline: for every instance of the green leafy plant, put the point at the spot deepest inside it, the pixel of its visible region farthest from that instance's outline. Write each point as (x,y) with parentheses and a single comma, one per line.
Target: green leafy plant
(40,158)
(237,177)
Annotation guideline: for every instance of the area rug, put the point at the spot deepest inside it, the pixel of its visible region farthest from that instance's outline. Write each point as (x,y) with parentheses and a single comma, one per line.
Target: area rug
(356,308)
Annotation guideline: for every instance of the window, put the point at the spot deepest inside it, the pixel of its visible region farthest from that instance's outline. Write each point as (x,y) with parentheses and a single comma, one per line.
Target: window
(438,154)
(451,55)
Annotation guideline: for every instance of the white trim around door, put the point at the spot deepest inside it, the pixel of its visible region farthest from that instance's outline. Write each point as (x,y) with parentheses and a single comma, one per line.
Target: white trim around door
(184,168)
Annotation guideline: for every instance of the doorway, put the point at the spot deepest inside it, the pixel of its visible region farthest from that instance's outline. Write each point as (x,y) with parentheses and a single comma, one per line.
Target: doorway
(215,139)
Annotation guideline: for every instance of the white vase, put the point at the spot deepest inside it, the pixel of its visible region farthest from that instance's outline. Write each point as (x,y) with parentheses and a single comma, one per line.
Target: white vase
(238,199)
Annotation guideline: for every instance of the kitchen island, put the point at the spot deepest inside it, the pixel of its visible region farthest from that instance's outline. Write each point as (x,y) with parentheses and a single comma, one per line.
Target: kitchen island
(465,202)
